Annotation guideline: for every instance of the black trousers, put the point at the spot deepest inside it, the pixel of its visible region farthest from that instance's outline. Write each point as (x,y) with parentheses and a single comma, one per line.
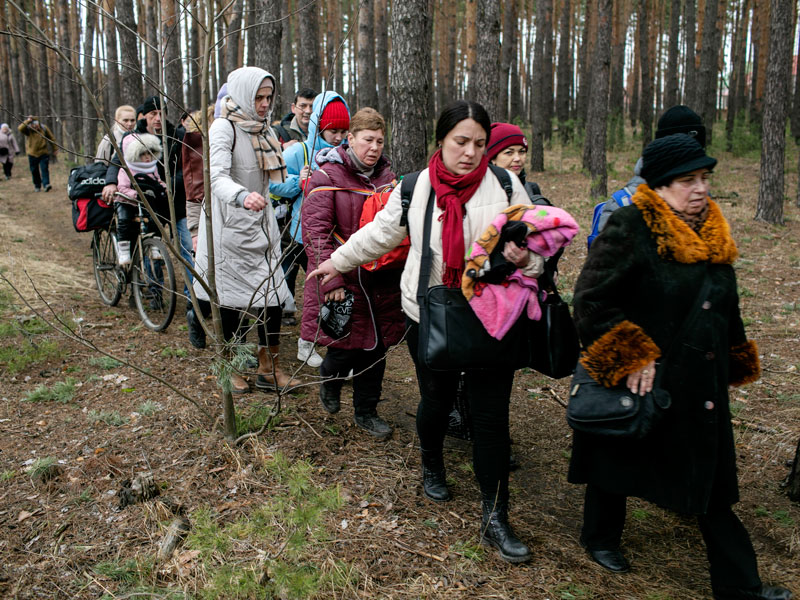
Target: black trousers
(368,368)
(294,257)
(488,393)
(731,557)
(235,324)
(127,227)
(7,166)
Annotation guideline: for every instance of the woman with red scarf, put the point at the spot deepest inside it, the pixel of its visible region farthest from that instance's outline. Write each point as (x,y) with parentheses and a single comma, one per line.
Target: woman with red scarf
(468,196)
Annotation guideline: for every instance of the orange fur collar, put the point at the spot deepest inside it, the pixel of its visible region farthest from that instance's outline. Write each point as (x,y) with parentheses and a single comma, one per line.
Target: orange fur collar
(676,241)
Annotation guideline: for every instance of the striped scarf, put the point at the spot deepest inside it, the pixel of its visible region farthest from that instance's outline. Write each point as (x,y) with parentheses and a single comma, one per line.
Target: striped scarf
(265,144)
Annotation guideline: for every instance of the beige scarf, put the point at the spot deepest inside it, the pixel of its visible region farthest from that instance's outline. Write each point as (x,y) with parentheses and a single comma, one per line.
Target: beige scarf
(265,144)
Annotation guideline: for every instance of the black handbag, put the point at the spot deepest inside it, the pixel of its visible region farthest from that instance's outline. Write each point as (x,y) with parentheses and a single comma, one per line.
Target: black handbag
(335,315)
(451,336)
(554,340)
(616,411)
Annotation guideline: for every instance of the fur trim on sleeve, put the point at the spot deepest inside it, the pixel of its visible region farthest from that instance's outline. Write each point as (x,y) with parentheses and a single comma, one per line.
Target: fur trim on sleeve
(622,350)
(743,364)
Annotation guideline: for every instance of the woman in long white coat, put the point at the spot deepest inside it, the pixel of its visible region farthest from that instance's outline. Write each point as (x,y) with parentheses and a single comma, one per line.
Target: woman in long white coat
(246,166)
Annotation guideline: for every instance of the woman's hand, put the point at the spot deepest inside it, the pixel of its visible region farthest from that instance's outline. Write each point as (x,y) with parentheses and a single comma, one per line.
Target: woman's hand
(336,295)
(641,381)
(326,271)
(305,173)
(254,201)
(515,255)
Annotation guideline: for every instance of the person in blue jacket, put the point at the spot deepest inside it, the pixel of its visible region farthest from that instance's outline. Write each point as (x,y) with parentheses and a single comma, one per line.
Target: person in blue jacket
(330,121)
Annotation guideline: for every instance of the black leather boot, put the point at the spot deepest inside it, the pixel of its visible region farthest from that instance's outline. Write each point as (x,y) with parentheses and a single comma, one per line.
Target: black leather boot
(495,531)
(434,477)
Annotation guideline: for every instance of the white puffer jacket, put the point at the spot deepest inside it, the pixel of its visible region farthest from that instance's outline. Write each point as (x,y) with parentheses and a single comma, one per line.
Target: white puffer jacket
(384,233)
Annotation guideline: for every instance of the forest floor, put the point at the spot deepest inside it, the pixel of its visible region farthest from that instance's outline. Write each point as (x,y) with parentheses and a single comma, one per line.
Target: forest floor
(315,508)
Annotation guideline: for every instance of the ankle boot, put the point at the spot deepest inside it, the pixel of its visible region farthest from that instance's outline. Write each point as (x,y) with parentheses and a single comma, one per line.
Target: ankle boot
(434,476)
(270,376)
(495,531)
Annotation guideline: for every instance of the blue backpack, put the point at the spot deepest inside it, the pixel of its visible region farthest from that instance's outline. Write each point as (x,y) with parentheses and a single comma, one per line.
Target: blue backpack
(621,197)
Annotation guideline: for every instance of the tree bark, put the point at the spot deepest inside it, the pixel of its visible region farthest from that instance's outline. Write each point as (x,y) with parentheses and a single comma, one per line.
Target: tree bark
(707,75)
(736,100)
(507,52)
(130,67)
(268,32)
(636,80)
(564,72)
(382,52)
(112,58)
(409,85)
(690,64)
(487,64)
(194,60)
(773,127)
(14,62)
(308,67)
(471,29)
(646,106)
(796,105)
(598,102)
(585,61)
(547,75)
(367,88)
(171,48)
(89,116)
(288,82)
(671,83)
(234,39)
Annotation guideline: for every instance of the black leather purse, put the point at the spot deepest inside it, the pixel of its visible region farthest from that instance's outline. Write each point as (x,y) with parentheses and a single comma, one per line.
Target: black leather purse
(616,411)
(554,340)
(451,337)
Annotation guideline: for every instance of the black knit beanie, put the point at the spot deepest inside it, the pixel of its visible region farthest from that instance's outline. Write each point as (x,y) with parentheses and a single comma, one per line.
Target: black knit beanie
(150,104)
(667,158)
(681,119)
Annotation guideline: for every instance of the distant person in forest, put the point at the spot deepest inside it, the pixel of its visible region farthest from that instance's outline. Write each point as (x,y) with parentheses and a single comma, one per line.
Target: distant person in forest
(294,126)
(677,119)
(8,149)
(40,144)
(124,121)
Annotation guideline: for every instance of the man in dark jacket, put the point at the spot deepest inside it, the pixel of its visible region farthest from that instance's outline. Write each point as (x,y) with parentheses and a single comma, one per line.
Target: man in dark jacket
(294,126)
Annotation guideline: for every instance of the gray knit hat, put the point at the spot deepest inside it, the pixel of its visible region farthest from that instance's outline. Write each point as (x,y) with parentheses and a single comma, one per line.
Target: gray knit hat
(670,157)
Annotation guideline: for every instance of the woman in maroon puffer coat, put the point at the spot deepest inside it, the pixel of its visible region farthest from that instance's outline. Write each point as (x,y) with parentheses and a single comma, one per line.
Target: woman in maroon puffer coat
(377,321)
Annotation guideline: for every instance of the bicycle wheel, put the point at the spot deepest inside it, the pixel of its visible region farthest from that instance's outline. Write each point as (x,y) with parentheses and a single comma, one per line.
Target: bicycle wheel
(106,273)
(153,281)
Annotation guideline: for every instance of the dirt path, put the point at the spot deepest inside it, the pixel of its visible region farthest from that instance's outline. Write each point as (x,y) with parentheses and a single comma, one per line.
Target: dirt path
(262,526)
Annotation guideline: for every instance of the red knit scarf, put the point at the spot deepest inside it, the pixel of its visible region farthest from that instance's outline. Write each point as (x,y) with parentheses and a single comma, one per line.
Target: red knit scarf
(452,193)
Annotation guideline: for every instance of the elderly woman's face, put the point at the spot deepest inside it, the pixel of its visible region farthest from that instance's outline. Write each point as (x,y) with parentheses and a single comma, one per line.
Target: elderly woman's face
(687,193)
(367,145)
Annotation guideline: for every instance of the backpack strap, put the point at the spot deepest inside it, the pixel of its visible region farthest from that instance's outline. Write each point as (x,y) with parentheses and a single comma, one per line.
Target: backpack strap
(504,178)
(407,186)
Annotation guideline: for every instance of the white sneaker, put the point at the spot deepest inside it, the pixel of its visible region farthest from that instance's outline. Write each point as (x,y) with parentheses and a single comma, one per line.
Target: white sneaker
(123,253)
(307,353)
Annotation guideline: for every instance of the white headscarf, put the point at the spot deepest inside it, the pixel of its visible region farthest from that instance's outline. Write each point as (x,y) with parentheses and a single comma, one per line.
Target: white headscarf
(243,84)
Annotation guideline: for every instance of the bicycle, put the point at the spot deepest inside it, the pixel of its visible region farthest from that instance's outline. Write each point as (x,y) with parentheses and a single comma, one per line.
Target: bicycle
(151,273)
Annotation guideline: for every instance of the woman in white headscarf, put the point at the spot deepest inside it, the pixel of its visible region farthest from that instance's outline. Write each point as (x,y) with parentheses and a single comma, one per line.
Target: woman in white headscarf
(8,149)
(246,166)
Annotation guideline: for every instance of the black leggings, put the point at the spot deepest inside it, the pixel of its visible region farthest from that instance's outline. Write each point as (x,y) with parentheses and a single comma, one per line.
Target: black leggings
(236,323)
(368,368)
(488,392)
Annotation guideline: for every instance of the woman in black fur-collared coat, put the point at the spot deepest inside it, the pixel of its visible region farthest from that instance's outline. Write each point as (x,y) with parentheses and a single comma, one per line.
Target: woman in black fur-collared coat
(639,283)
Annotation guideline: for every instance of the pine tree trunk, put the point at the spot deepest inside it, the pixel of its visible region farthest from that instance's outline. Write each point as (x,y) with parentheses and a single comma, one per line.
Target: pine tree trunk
(585,61)
(616,91)
(6,89)
(382,52)
(773,128)
(14,62)
(173,69)
(690,64)
(268,51)
(308,67)
(447,65)
(130,68)
(234,40)
(507,52)
(707,76)
(487,65)
(367,88)
(598,103)
(112,58)
(671,84)
(564,72)
(547,77)
(536,143)
(736,99)
(409,85)
(28,96)
(636,77)
(471,28)
(646,106)
(194,60)
(89,116)
(287,57)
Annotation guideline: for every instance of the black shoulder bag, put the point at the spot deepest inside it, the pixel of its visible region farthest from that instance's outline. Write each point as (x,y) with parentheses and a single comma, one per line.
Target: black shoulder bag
(451,337)
(616,411)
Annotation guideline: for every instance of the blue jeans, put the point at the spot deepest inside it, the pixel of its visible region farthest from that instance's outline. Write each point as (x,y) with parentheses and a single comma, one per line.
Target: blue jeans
(36,163)
(185,240)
